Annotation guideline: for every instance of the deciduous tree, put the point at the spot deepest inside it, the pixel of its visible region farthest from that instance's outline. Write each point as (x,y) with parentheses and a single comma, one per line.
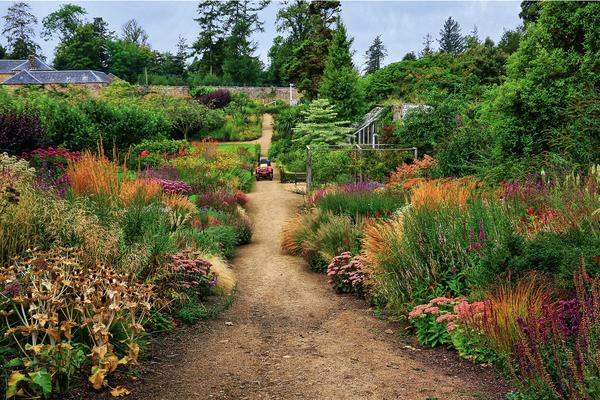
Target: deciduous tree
(63,22)
(18,30)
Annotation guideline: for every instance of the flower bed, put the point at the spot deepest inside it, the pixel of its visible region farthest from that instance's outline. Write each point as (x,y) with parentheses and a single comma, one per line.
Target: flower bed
(117,252)
(487,269)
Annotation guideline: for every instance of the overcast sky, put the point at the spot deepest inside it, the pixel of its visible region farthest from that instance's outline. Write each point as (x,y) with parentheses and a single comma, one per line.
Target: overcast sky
(402,24)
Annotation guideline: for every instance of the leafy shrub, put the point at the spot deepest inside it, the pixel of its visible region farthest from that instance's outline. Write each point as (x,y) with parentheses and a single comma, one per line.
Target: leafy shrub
(220,240)
(220,98)
(20,132)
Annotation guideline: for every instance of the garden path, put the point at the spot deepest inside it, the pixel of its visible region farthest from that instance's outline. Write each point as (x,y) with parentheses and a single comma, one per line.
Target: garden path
(288,336)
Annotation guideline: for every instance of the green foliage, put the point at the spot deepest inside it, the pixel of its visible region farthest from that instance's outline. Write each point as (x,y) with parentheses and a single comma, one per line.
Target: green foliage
(451,40)
(429,332)
(87,48)
(320,125)
(361,203)
(310,24)
(63,22)
(545,110)
(339,83)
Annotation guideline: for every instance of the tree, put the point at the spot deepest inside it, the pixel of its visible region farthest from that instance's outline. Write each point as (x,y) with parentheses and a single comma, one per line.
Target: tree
(375,55)
(134,33)
(240,65)
(306,67)
(530,11)
(210,44)
(451,41)
(18,30)
(63,22)
(320,125)
(546,112)
(128,60)
(509,42)
(181,57)
(410,56)
(293,19)
(87,49)
(2,52)
(246,11)
(427,42)
(340,80)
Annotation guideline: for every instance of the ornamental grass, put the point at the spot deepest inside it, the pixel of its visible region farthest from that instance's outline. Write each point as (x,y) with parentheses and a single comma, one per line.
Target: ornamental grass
(94,176)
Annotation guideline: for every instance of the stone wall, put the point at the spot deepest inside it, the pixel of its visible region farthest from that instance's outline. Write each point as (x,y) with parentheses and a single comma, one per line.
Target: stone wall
(263,94)
(94,89)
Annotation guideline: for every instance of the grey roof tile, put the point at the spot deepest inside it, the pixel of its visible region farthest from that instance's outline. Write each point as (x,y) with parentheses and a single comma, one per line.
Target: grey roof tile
(58,77)
(7,66)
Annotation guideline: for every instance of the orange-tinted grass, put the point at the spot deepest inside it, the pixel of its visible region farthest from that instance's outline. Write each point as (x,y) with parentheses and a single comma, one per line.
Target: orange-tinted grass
(93,175)
(178,201)
(444,191)
(143,190)
(505,306)
(376,241)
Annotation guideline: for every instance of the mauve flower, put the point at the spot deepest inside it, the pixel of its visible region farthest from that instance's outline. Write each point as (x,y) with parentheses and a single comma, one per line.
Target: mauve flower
(12,289)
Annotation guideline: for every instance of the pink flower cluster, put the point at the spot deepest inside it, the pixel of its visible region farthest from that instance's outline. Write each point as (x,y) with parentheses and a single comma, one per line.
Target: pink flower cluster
(449,310)
(344,273)
(175,187)
(54,152)
(193,271)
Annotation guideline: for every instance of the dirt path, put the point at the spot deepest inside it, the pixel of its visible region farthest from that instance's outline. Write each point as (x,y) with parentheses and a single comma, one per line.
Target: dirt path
(288,336)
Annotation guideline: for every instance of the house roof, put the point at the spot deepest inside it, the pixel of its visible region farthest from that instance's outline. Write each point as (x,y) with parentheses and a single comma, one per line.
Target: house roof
(11,66)
(58,77)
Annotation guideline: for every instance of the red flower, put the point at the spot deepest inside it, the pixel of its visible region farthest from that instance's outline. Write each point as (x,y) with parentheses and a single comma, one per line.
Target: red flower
(530,211)
(144,153)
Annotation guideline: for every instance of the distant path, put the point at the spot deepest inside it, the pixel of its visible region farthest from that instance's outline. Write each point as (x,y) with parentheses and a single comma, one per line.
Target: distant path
(288,336)
(265,139)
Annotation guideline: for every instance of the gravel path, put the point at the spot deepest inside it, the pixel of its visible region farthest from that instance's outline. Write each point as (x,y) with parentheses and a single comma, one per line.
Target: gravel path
(288,336)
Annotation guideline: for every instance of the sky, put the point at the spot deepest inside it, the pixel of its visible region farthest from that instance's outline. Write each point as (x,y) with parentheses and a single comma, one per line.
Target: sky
(401,24)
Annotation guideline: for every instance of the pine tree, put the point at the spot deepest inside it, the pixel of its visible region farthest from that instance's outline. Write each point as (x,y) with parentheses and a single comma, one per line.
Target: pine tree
(240,66)
(451,41)
(410,56)
(375,55)
(321,125)
(19,23)
(210,43)
(340,80)
(305,68)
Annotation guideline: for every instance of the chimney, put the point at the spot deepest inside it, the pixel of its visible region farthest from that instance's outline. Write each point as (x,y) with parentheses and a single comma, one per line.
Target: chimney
(31,63)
